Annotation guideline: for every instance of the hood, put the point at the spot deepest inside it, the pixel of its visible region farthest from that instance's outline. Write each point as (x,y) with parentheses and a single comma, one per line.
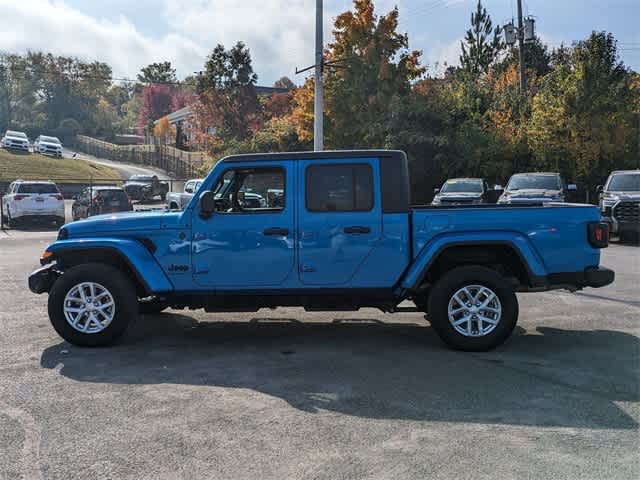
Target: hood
(459,195)
(625,195)
(533,193)
(50,144)
(123,222)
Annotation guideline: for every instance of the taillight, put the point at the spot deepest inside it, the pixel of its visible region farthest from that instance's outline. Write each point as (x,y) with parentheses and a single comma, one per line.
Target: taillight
(57,196)
(19,197)
(599,234)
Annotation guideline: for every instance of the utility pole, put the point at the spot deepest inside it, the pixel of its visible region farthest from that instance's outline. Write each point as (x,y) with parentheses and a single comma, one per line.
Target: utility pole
(523,74)
(318,106)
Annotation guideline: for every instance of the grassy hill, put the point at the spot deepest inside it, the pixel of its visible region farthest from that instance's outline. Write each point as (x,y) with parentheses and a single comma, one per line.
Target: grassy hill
(38,167)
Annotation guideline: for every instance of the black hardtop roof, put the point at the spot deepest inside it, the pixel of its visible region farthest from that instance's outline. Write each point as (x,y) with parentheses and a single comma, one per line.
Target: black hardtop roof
(324,155)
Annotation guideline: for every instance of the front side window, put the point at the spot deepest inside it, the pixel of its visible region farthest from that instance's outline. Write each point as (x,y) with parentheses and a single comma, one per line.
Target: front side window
(339,188)
(250,191)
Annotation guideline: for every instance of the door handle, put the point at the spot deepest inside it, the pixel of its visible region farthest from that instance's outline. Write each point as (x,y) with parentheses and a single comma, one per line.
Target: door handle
(278,231)
(357,229)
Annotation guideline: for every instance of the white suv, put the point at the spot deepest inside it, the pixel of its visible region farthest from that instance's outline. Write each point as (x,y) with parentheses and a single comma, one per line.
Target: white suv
(27,200)
(47,146)
(15,140)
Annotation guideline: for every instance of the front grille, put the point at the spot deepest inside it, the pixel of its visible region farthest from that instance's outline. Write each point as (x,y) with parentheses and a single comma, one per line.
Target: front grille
(627,211)
(463,200)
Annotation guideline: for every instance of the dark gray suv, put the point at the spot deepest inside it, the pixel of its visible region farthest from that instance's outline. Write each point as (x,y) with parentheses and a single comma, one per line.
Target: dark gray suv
(620,203)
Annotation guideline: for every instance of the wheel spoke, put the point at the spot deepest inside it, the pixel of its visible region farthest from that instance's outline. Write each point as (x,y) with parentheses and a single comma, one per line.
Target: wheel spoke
(488,320)
(459,299)
(75,309)
(82,293)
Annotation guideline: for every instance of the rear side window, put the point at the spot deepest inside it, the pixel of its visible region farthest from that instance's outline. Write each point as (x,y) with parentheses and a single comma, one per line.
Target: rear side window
(339,188)
(41,188)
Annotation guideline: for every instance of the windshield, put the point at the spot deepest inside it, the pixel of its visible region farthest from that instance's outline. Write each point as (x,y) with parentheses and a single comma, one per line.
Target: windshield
(37,188)
(624,183)
(462,185)
(534,182)
(49,139)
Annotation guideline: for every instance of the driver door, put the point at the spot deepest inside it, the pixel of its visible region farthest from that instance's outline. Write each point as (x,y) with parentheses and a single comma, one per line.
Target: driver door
(249,240)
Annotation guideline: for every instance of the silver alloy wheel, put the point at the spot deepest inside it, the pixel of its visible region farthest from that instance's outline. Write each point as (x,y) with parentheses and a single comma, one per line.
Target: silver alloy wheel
(89,307)
(474,311)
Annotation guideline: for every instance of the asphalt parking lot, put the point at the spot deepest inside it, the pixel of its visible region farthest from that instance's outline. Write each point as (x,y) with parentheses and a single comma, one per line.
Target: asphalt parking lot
(287,394)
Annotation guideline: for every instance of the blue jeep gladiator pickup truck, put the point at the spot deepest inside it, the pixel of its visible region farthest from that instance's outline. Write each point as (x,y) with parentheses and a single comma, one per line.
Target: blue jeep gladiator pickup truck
(339,235)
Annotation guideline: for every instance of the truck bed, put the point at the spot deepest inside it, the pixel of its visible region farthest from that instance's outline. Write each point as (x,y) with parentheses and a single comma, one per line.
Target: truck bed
(553,234)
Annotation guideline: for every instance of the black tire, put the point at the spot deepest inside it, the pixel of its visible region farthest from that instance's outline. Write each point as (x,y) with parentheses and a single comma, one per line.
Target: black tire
(10,221)
(121,289)
(59,222)
(443,291)
(147,307)
(163,196)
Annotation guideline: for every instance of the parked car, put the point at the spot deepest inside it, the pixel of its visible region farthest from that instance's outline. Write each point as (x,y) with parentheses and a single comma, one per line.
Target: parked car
(179,200)
(98,200)
(620,203)
(344,238)
(48,146)
(30,200)
(464,191)
(15,141)
(538,187)
(146,187)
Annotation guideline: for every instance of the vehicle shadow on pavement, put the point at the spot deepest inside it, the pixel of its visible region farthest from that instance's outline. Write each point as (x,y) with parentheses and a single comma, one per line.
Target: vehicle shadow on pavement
(549,377)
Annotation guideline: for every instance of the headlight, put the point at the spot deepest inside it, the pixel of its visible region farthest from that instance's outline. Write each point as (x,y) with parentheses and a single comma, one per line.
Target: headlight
(504,199)
(436,200)
(609,201)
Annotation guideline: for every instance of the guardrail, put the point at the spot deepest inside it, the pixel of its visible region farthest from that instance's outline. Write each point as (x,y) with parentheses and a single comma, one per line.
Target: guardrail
(170,159)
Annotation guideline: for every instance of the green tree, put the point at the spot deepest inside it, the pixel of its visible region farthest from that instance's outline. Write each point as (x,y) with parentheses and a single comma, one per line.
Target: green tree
(227,94)
(161,72)
(583,120)
(482,43)
(284,82)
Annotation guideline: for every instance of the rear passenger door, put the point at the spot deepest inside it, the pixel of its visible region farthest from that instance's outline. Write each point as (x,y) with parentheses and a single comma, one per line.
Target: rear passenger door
(339,218)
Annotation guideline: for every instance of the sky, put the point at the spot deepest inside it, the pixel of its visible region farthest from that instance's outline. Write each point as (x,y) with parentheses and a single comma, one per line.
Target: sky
(129,34)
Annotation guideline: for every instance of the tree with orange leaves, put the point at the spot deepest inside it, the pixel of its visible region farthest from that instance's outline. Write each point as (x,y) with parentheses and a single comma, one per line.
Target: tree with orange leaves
(373,70)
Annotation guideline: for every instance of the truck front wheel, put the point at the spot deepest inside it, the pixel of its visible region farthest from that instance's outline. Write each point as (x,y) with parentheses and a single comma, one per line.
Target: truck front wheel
(92,304)
(473,308)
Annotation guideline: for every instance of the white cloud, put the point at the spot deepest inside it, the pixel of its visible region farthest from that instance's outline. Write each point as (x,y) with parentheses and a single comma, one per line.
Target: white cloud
(279,33)
(60,29)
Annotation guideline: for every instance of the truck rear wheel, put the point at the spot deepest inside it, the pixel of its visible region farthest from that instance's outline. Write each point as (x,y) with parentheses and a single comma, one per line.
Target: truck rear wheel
(473,308)
(92,304)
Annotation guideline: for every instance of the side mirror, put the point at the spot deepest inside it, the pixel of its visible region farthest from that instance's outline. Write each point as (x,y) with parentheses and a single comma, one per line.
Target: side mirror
(207,204)
(599,189)
(436,190)
(498,188)
(572,187)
